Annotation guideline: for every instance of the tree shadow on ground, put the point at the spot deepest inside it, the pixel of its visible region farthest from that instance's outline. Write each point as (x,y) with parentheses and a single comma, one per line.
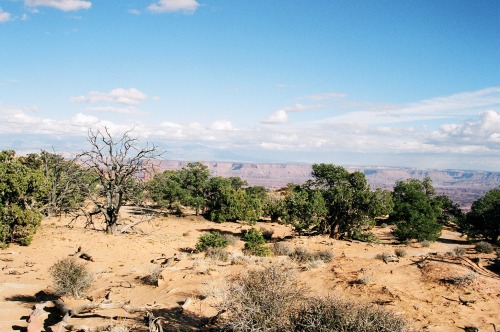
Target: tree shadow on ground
(178,320)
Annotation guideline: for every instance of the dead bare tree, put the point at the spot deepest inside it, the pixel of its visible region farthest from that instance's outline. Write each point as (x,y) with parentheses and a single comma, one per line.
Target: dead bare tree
(115,163)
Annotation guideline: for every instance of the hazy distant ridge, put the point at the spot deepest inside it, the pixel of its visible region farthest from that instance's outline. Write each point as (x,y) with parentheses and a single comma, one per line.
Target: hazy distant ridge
(462,187)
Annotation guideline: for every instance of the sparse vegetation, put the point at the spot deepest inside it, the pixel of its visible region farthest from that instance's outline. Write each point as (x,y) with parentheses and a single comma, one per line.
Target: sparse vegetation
(462,280)
(267,233)
(459,251)
(262,300)
(255,243)
(71,277)
(210,240)
(153,276)
(282,249)
(400,252)
(483,247)
(383,256)
(218,254)
(272,300)
(334,314)
(426,243)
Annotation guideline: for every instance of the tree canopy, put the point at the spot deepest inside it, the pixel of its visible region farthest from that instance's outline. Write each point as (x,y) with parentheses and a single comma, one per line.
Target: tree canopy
(415,211)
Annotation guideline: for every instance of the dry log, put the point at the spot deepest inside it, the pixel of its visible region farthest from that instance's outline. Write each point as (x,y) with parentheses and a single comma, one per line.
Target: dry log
(37,317)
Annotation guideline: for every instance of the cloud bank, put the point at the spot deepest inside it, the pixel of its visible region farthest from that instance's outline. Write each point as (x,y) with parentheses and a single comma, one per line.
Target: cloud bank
(64,5)
(168,6)
(456,131)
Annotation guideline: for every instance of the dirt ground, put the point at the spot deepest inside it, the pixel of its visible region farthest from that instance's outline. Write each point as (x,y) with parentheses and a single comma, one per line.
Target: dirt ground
(424,286)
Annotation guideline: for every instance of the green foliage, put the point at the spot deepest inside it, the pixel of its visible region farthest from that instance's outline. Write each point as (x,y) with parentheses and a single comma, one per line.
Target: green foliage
(211,240)
(166,190)
(415,214)
(451,214)
(194,178)
(483,220)
(226,201)
(65,181)
(70,277)
(274,206)
(255,243)
(350,203)
(364,236)
(21,192)
(304,209)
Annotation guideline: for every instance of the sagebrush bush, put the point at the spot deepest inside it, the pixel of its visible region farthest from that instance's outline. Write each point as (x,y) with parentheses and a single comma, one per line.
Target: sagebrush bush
(333,314)
(459,251)
(262,300)
(211,240)
(426,243)
(272,300)
(218,254)
(400,252)
(71,277)
(303,255)
(153,277)
(484,247)
(282,249)
(231,239)
(383,256)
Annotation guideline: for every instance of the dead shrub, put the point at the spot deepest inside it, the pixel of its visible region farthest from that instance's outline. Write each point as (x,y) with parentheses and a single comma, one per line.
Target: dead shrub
(71,277)
(400,252)
(333,314)
(459,251)
(262,300)
(484,247)
(282,249)
(153,277)
(231,239)
(217,254)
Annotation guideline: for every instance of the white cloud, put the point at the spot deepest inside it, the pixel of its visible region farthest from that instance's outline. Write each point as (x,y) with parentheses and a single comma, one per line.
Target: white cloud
(134,11)
(281,115)
(130,96)
(64,5)
(4,16)
(168,6)
(327,95)
(222,125)
(117,110)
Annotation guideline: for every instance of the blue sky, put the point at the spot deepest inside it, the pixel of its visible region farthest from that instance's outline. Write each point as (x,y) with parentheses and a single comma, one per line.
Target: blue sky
(384,83)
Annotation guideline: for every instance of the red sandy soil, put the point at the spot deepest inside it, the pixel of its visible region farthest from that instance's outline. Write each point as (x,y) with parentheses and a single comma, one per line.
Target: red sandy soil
(417,288)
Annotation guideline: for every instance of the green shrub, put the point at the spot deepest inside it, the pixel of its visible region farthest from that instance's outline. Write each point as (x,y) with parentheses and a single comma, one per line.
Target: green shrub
(484,247)
(255,243)
(210,240)
(257,250)
(253,236)
(70,277)
(364,236)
